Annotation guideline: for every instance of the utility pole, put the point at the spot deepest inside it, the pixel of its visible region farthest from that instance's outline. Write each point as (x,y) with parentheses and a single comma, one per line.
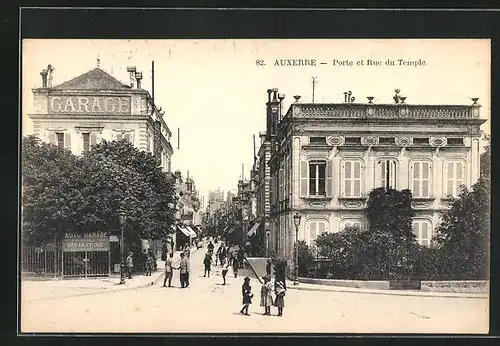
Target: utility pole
(314,84)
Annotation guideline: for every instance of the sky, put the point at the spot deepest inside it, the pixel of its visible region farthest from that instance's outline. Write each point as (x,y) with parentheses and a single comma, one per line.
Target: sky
(214,91)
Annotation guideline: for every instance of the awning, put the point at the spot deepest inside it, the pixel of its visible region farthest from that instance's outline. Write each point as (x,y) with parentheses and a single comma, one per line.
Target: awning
(184,231)
(191,231)
(197,228)
(253,229)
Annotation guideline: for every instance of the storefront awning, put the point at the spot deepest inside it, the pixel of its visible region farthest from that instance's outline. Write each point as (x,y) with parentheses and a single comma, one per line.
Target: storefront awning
(253,229)
(184,231)
(191,231)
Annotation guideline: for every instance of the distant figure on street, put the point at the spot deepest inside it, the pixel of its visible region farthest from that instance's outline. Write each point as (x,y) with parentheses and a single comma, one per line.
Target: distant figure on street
(184,271)
(246,291)
(225,268)
(207,261)
(280,297)
(168,270)
(130,264)
(210,247)
(187,250)
(222,253)
(149,265)
(236,266)
(268,266)
(266,295)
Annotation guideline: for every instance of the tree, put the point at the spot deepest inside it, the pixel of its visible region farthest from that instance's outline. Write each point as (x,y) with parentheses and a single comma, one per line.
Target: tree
(391,238)
(463,234)
(49,190)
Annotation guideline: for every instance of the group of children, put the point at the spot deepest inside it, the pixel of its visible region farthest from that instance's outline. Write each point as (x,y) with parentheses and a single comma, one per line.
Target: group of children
(266,296)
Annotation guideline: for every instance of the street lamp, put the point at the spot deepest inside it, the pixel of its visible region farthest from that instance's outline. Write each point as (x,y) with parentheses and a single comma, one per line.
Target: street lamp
(121,216)
(296,221)
(268,232)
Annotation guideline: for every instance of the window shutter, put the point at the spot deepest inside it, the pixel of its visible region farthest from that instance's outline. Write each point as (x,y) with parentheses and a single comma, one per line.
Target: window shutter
(329,185)
(449,179)
(67,141)
(312,231)
(93,139)
(381,179)
(425,179)
(52,138)
(303,178)
(347,179)
(415,230)
(357,179)
(321,229)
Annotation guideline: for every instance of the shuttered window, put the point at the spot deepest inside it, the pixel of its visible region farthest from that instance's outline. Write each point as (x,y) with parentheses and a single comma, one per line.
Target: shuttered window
(454,173)
(420,182)
(60,139)
(423,232)
(352,178)
(86,141)
(315,228)
(387,171)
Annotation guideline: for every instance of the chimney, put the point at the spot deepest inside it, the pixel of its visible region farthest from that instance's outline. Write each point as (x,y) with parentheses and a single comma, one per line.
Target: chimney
(138,77)
(275,94)
(44,77)
(131,70)
(269,91)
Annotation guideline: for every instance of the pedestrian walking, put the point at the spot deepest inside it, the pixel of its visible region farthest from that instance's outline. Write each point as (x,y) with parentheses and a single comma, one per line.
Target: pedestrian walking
(210,247)
(130,264)
(279,302)
(149,265)
(187,250)
(225,268)
(184,271)
(207,261)
(246,291)
(236,266)
(168,270)
(266,295)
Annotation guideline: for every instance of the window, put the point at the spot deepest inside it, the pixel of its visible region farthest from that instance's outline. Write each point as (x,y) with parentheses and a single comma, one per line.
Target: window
(352,140)
(423,232)
(454,172)
(124,135)
(386,140)
(420,181)
(315,228)
(317,140)
(387,171)
(86,141)
(455,141)
(351,223)
(317,170)
(421,140)
(60,139)
(352,178)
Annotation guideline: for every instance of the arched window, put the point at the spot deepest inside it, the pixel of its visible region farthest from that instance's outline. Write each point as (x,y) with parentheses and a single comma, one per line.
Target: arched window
(314,228)
(420,178)
(387,173)
(352,170)
(454,177)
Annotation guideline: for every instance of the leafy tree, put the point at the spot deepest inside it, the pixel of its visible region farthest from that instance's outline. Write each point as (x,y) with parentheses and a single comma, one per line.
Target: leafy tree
(305,257)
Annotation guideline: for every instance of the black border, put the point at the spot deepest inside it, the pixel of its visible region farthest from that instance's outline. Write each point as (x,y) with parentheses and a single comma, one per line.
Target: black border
(267,23)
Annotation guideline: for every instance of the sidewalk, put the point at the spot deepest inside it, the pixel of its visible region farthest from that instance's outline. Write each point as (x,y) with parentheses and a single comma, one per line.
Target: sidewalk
(416,293)
(57,288)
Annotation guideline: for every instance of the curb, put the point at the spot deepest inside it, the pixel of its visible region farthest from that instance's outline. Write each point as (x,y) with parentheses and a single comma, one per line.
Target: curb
(407,294)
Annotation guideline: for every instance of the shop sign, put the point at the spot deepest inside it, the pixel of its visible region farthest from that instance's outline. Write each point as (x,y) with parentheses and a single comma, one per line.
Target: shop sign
(91,241)
(89,105)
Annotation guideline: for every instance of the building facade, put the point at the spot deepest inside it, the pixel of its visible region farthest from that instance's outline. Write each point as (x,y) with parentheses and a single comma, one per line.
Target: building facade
(330,156)
(96,106)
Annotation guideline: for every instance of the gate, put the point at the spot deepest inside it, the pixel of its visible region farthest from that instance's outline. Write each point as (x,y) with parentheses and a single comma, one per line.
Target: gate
(86,264)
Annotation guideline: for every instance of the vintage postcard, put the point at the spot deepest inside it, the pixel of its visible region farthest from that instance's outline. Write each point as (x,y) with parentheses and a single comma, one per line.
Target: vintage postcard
(255,186)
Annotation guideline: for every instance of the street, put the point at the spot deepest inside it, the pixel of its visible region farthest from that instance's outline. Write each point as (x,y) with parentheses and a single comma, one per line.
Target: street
(209,307)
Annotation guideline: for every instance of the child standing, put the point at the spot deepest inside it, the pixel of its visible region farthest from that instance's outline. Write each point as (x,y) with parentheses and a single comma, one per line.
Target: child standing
(280,297)
(207,262)
(266,297)
(149,265)
(246,291)
(168,270)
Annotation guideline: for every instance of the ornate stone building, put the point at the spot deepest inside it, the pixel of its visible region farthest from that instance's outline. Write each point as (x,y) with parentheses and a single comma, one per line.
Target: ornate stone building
(95,106)
(330,156)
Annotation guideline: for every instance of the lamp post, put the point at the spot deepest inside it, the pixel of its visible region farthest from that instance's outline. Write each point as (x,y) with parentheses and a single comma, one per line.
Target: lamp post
(121,216)
(296,221)
(268,232)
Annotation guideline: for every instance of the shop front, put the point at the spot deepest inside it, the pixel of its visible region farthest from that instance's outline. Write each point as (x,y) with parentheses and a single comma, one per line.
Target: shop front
(86,255)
